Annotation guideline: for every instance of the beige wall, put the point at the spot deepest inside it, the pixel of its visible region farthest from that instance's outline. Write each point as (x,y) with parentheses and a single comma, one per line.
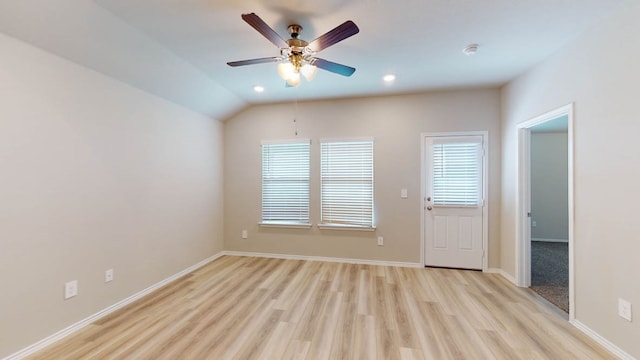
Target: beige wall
(395,123)
(549,190)
(94,175)
(98,175)
(599,72)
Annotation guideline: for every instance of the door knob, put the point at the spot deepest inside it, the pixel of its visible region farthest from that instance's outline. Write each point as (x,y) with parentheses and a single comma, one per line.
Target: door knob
(429,208)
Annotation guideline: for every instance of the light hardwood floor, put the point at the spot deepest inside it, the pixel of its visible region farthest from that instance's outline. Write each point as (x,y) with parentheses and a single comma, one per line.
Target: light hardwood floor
(257,308)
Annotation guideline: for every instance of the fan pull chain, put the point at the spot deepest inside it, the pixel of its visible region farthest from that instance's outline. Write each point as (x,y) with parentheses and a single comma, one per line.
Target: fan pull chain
(295,118)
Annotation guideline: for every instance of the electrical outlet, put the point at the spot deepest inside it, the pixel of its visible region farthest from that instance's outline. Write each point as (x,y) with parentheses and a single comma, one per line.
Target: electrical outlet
(534,224)
(624,309)
(108,276)
(245,234)
(70,289)
(380,241)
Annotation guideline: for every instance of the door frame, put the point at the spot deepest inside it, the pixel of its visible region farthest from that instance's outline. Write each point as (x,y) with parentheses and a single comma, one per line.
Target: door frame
(423,189)
(523,198)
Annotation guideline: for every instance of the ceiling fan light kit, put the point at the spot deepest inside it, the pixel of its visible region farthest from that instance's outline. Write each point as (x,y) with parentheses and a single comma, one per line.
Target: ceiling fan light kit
(295,62)
(298,56)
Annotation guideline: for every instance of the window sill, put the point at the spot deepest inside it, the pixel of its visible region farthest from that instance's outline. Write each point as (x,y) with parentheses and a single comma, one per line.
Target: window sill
(345,227)
(285,225)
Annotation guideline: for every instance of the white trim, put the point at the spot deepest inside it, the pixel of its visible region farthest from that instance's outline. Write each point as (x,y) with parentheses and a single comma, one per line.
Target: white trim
(346,139)
(523,201)
(345,227)
(485,189)
(550,240)
(423,192)
(485,201)
(285,225)
(31,349)
(285,141)
(602,341)
(504,274)
(322,258)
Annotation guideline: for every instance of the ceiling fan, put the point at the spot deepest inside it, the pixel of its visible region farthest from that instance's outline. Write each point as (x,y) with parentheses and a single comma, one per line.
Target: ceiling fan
(298,56)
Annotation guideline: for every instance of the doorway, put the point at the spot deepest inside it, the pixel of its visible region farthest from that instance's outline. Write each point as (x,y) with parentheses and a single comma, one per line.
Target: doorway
(549,211)
(545,196)
(454,225)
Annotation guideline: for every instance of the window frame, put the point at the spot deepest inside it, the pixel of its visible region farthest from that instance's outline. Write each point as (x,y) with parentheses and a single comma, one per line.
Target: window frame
(478,192)
(370,224)
(293,222)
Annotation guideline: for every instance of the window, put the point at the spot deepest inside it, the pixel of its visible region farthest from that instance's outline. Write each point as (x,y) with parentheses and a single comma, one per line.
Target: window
(285,183)
(346,181)
(457,175)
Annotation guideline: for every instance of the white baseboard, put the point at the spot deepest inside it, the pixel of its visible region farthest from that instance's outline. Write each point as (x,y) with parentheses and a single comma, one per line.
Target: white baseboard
(503,273)
(321,258)
(550,240)
(602,341)
(30,350)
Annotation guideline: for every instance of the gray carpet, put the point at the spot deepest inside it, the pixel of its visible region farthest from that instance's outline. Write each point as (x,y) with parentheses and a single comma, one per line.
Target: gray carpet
(550,272)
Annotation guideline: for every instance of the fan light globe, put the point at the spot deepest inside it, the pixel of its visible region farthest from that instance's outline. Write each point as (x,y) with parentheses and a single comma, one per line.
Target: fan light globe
(309,71)
(286,70)
(294,79)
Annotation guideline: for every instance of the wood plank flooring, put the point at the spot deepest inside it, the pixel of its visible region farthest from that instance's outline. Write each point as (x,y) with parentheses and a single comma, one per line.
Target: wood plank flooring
(257,308)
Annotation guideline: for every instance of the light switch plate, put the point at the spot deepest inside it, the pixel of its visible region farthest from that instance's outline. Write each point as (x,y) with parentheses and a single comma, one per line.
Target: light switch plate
(624,309)
(403,193)
(108,275)
(70,289)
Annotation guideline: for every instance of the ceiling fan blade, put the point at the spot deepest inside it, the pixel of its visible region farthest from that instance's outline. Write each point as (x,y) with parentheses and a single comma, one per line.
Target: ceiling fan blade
(254,61)
(264,29)
(339,69)
(339,33)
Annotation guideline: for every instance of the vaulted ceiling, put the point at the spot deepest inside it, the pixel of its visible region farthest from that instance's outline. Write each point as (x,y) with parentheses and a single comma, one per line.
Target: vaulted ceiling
(178,49)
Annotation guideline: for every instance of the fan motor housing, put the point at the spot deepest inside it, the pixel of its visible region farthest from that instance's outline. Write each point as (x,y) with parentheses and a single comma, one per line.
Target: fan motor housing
(297,45)
(294,30)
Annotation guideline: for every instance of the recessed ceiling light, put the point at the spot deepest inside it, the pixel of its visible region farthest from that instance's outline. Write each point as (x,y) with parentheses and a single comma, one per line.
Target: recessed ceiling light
(471,49)
(389,78)
(258,88)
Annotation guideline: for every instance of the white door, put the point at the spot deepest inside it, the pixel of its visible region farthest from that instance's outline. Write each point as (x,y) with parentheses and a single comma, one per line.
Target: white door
(454,201)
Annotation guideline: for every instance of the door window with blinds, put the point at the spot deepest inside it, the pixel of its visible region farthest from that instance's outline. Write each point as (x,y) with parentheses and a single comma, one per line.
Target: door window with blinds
(346,182)
(456,166)
(285,183)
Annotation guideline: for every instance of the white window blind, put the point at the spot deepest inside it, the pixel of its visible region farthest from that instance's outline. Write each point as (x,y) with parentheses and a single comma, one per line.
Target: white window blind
(285,183)
(346,177)
(457,172)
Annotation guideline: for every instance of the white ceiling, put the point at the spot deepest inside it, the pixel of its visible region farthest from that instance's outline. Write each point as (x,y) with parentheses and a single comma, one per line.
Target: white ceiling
(179,49)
